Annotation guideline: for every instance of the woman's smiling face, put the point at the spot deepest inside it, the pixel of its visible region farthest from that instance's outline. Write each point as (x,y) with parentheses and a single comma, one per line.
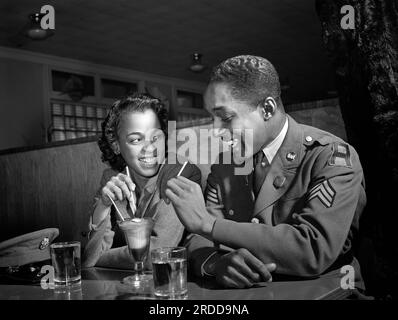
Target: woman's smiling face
(141,142)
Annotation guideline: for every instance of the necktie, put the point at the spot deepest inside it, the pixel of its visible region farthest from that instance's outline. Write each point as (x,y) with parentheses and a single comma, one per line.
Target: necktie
(261,168)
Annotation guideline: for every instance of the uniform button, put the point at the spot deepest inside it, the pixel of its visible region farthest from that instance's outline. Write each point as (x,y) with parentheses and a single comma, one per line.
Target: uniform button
(263,164)
(255,220)
(231,212)
(308,138)
(279,181)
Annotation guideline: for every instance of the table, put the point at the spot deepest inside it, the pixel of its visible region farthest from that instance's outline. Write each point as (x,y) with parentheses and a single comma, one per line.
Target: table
(105,284)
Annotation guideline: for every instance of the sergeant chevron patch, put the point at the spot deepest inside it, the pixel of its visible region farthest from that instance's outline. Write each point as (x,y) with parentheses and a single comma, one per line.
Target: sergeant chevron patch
(324,192)
(211,194)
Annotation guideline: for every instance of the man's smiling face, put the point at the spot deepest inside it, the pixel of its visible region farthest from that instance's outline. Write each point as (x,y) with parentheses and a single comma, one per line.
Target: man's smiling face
(235,121)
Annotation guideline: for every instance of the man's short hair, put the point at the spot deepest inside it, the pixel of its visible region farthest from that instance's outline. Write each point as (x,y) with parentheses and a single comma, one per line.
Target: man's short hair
(251,78)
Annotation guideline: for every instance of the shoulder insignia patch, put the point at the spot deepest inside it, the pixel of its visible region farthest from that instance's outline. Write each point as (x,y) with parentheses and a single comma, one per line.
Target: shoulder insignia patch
(341,155)
(324,192)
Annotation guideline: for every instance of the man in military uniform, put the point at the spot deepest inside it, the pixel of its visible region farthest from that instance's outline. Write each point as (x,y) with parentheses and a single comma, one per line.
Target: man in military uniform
(296,214)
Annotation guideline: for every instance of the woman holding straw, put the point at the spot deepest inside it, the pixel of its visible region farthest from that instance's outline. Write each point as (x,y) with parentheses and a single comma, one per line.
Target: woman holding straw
(133,143)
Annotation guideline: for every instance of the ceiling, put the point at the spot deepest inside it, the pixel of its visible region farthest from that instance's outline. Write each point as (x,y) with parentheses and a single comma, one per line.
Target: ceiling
(159,36)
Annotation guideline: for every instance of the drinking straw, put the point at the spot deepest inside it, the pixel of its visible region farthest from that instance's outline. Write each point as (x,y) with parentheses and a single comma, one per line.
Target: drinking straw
(132,206)
(179,173)
(114,204)
(183,166)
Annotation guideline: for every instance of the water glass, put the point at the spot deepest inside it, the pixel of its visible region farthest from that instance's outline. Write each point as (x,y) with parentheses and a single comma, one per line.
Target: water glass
(65,258)
(169,266)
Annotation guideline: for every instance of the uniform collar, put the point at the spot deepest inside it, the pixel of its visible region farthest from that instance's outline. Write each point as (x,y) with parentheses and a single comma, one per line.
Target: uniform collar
(272,148)
(283,168)
(290,152)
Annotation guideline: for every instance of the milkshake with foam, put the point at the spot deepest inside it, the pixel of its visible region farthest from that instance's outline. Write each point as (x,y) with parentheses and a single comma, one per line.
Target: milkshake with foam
(137,233)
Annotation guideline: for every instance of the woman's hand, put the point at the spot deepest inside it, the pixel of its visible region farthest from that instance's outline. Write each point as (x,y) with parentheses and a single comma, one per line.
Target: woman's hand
(118,187)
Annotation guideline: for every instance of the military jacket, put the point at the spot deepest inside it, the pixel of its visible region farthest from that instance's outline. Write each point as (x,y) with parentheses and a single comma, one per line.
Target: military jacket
(306,214)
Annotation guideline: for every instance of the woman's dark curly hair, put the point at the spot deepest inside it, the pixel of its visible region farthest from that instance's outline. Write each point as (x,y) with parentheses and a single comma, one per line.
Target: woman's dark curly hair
(136,102)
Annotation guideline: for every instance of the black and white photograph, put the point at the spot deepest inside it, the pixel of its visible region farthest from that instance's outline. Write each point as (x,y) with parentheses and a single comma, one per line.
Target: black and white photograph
(202,155)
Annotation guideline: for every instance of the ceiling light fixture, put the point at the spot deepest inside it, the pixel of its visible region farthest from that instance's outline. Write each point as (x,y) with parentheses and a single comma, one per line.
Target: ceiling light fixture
(196,65)
(35,31)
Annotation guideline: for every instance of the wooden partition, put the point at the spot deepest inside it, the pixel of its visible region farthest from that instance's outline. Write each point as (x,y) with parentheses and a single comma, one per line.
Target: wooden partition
(50,187)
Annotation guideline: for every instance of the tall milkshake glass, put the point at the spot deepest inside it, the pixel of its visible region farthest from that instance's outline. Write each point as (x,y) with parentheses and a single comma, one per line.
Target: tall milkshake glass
(137,233)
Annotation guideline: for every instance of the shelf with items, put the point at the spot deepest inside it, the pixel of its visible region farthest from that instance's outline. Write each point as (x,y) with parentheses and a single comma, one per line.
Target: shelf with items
(71,120)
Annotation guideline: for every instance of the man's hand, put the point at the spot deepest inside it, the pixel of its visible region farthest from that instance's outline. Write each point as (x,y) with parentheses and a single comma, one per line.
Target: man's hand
(241,269)
(167,172)
(188,202)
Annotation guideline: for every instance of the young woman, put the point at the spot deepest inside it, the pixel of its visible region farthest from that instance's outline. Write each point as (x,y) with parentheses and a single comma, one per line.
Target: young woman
(134,135)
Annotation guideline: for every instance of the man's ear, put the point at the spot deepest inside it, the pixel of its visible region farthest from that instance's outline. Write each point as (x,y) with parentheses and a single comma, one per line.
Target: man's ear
(268,108)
